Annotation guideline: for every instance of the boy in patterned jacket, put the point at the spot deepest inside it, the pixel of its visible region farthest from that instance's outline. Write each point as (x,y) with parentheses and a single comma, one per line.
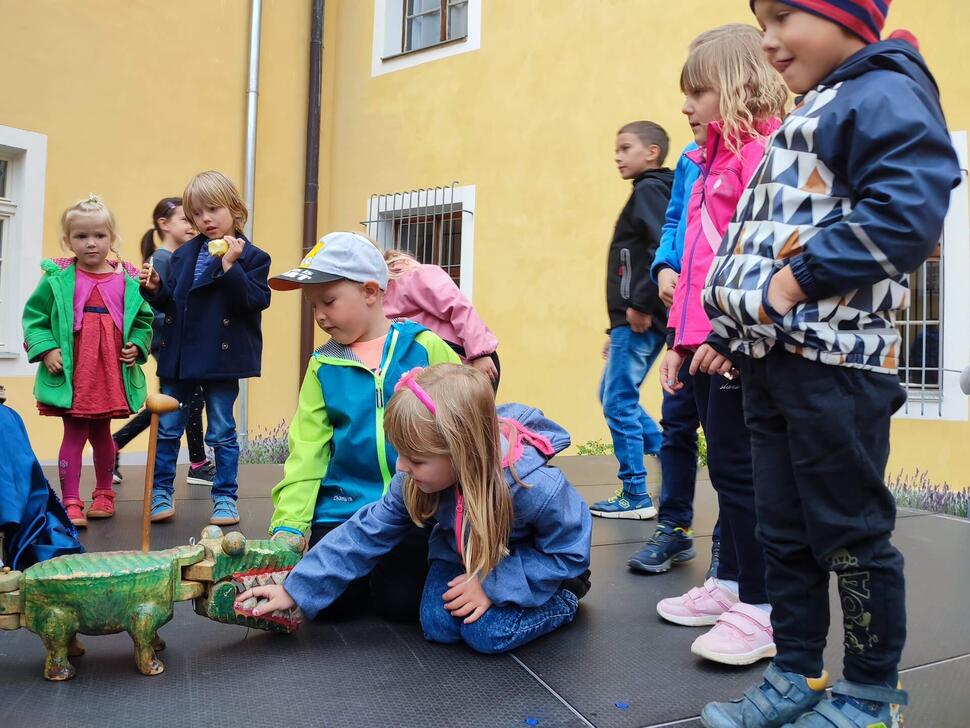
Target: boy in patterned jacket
(850,198)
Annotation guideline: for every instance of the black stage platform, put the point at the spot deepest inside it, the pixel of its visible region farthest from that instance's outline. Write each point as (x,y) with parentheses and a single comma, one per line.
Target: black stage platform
(616,666)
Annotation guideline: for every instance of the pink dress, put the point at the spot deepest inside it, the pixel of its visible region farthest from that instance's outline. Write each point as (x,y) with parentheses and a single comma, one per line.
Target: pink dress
(99,389)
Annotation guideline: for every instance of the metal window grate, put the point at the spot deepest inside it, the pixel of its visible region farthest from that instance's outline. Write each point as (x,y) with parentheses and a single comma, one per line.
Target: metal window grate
(426,223)
(920,327)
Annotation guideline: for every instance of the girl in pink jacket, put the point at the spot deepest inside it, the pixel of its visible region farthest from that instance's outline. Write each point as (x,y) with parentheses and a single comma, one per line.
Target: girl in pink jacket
(733,100)
(428,295)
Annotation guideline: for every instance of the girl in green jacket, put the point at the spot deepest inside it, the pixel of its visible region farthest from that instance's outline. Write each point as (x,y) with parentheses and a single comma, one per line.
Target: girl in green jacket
(88,325)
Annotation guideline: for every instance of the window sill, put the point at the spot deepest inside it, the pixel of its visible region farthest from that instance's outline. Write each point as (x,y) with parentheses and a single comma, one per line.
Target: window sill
(449,42)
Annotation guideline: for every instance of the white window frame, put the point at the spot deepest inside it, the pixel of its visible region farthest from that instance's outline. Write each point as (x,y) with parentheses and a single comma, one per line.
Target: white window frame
(387,56)
(26,156)
(383,210)
(952,403)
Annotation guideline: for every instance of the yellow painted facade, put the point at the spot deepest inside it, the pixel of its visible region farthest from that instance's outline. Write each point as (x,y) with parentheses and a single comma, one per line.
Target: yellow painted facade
(134,97)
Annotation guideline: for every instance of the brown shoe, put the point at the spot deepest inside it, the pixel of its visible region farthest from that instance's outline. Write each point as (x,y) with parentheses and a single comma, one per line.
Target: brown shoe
(103,505)
(75,512)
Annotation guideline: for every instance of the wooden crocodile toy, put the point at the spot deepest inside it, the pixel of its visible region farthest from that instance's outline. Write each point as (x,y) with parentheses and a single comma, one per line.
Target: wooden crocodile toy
(135,592)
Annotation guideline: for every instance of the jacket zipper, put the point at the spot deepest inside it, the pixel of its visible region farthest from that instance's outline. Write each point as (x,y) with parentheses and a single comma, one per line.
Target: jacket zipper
(625,276)
(459,523)
(379,401)
(705,171)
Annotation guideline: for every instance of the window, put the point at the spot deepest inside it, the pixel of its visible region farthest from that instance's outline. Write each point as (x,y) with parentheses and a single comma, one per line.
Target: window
(935,346)
(23,160)
(435,225)
(411,32)
(428,22)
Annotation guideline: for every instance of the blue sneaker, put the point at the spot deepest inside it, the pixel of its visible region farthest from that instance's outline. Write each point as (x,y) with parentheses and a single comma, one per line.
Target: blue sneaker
(163,506)
(669,545)
(854,705)
(624,505)
(224,511)
(781,698)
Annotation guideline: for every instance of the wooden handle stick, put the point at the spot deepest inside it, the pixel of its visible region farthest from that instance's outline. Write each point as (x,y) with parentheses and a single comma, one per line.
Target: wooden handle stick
(157,404)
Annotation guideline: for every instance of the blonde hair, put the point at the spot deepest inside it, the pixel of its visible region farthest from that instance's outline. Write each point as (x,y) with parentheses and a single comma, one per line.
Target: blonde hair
(92,206)
(214,189)
(399,262)
(466,429)
(729,60)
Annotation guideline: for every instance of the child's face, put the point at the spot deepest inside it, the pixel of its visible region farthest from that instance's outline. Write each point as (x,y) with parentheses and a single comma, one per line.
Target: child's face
(178,226)
(803,47)
(701,107)
(344,309)
(632,157)
(89,240)
(214,221)
(431,473)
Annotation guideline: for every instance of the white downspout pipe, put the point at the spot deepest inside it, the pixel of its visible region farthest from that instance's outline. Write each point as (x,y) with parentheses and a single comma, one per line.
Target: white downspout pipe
(249,183)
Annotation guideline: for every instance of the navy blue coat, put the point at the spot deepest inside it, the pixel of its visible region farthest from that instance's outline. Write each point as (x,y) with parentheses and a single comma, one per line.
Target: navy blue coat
(211,329)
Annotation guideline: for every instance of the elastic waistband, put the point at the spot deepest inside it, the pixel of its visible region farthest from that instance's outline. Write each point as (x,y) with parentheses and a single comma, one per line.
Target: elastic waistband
(96,309)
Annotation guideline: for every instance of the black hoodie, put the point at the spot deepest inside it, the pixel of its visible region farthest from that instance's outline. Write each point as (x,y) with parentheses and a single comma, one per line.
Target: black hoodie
(635,240)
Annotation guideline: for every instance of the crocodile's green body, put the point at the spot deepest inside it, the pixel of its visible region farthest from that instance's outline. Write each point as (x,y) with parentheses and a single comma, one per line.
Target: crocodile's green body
(135,592)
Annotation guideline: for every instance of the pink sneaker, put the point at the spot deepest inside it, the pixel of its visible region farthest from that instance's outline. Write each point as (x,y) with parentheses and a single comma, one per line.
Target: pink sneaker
(699,607)
(742,635)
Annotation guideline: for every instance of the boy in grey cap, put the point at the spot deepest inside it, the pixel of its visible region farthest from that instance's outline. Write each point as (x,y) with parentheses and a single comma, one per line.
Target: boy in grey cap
(339,458)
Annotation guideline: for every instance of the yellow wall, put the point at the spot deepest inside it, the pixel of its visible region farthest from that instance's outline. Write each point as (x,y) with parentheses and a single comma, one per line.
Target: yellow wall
(132,108)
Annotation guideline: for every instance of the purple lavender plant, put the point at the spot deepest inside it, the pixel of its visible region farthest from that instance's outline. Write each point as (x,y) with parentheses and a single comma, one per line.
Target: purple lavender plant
(917,491)
(266,448)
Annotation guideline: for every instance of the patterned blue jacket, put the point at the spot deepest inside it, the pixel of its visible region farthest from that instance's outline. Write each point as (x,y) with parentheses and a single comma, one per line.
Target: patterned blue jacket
(852,195)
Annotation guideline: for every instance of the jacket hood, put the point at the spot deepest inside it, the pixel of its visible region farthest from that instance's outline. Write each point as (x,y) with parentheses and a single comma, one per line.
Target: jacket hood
(888,55)
(663,174)
(534,441)
(53,265)
(715,135)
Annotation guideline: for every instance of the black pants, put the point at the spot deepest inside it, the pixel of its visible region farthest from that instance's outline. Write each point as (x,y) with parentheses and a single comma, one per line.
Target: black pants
(193,428)
(820,440)
(720,407)
(392,590)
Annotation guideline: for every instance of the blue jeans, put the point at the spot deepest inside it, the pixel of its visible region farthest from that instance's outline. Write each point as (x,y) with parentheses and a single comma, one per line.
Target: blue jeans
(634,431)
(499,629)
(220,433)
(678,452)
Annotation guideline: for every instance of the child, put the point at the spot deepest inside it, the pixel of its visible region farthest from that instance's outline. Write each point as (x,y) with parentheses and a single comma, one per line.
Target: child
(210,336)
(733,99)
(804,294)
(510,539)
(88,325)
(339,458)
(637,315)
(428,295)
(672,541)
(174,230)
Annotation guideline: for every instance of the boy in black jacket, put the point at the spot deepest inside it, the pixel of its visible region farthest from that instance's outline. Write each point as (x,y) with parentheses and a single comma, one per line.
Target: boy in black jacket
(638,318)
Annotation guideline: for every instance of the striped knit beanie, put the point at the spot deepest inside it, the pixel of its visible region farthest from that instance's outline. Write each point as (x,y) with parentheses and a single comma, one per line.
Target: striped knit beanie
(865,18)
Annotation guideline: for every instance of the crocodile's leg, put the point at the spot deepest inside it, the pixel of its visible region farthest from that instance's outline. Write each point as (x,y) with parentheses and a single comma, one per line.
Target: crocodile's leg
(75,648)
(57,628)
(145,622)
(158,644)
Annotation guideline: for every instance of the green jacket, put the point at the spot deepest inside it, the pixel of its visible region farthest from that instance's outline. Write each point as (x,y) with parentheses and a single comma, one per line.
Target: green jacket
(340,459)
(48,323)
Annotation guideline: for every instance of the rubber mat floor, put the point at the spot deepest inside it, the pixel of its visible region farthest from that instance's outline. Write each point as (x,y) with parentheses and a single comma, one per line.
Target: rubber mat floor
(616,666)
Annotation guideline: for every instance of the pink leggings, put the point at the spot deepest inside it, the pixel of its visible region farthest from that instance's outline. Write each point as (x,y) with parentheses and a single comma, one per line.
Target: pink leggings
(77,431)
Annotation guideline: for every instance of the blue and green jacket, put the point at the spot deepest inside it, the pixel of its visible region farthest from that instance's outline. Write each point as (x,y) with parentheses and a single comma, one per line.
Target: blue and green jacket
(339,458)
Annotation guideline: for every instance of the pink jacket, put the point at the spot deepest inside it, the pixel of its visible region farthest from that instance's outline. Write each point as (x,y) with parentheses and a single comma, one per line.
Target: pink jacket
(724,177)
(428,295)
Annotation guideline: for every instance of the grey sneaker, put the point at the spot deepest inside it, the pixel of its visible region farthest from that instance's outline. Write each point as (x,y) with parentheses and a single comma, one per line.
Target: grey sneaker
(204,474)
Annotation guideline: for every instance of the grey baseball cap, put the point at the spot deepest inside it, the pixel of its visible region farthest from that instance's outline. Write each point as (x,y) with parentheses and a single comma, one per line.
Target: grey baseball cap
(337,256)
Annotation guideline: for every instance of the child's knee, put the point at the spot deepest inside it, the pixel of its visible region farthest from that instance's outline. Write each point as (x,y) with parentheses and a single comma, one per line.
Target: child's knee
(438,625)
(487,636)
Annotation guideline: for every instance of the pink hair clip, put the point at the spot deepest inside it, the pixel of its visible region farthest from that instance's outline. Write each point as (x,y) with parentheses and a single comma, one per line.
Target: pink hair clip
(408,379)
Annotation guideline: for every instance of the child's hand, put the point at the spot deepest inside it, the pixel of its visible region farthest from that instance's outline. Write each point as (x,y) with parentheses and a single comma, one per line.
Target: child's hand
(486,366)
(466,598)
(279,599)
(53,361)
(707,360)
(639,322)
(784,291)
(667,281)
(129,354)
(236,246)
(148,278)
(670,372)
(606,350)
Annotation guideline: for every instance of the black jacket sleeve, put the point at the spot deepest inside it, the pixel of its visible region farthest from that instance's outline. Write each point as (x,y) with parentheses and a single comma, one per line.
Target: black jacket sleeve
(649,210)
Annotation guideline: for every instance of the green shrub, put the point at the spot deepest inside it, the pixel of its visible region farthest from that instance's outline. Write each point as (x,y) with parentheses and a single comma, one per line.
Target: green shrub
(595,447)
